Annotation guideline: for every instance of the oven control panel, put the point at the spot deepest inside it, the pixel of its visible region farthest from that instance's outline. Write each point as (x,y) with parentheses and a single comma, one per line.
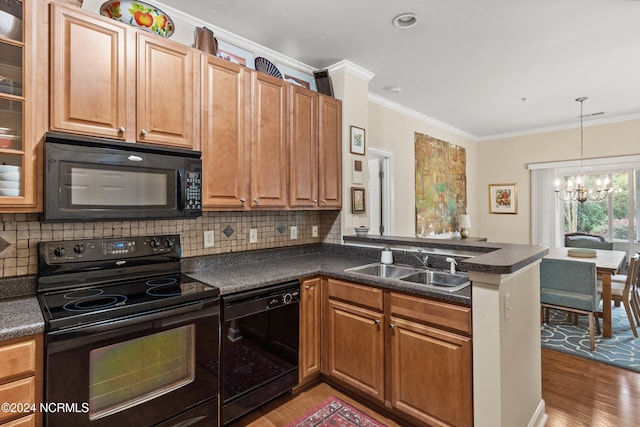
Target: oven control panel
(66,251)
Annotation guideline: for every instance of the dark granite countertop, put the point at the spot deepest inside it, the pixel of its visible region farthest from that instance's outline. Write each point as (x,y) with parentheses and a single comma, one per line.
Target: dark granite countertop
(486,257)
(19,317)
(327,260)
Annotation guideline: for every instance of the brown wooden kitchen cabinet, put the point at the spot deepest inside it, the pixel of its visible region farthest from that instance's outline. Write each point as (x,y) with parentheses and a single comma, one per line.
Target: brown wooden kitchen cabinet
(21,381)
(269,142)
(224,142)
(310,297)
(354,337)
(329,152)
(315,150)
(22,125)
(430,367)
(100,86)
(410,353)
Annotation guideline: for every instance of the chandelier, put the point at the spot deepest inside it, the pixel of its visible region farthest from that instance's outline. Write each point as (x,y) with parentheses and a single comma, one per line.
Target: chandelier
(578,192)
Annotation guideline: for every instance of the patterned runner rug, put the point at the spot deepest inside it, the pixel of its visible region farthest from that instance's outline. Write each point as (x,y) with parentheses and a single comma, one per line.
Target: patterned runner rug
(622,349)
(336,413)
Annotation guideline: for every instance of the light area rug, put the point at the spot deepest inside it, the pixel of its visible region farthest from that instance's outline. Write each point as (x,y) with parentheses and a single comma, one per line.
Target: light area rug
(622,349)
(335,413)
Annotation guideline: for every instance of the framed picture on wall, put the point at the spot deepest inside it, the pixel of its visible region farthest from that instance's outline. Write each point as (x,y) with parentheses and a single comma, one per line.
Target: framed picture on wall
(503,198)
(357,140)
(357,200)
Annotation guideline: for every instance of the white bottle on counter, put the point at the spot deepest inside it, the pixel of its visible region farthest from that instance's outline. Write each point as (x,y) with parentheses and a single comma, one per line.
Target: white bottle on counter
(387,256)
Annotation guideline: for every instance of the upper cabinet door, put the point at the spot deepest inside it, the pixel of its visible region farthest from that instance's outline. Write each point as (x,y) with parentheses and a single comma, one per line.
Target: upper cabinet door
(167,99)
(88,74)
(303,148)
(330,152)
(269,144)
(223,134)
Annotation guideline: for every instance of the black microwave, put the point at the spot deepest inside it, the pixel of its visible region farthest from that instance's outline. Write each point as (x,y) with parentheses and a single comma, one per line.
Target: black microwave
(94,179)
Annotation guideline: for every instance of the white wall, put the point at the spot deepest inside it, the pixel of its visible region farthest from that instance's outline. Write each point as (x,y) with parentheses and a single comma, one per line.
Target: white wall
(505,161)
(393,130)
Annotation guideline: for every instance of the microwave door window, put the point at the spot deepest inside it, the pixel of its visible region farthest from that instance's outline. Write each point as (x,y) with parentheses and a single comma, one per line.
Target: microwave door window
(105,188)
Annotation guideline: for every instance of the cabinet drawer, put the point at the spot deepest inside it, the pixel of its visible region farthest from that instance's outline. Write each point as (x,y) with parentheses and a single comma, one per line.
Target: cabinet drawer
(20,392)
(17,359)
(28,421)
(435,312)
(357,294)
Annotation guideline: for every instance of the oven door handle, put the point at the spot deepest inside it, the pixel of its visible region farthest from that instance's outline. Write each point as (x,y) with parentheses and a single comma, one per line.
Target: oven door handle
(80,335)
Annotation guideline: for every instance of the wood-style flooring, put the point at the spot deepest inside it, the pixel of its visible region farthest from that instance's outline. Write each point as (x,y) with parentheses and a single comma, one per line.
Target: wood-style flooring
(576,391)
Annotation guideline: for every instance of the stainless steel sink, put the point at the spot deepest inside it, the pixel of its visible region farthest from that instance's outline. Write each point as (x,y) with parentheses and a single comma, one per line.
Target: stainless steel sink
(386,271)
(451,281)
(437,279)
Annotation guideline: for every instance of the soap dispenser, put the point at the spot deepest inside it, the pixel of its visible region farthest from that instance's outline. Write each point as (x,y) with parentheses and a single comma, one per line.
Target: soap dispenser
(387,256)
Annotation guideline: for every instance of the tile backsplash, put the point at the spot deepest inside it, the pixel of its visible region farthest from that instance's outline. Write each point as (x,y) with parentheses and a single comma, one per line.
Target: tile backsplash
(20,233)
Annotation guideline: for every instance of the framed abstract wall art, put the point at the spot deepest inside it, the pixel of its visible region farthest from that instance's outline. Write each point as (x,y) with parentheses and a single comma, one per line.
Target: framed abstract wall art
(503,198)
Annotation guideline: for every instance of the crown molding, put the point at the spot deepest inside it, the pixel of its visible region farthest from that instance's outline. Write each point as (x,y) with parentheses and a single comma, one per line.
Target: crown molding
(346,66)
(189,22)
(419,116)
(588,123)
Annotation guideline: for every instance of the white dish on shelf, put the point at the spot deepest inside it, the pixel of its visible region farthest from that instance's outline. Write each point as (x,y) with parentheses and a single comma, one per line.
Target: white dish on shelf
(9,184)
(9,192)
(10,26)
(9,168)
(10,176)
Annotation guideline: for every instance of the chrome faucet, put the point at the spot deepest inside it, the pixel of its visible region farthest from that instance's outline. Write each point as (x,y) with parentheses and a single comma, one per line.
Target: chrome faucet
(423,258)
(453,264)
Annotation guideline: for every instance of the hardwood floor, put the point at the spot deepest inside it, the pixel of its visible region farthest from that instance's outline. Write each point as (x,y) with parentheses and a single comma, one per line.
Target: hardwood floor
(577,392)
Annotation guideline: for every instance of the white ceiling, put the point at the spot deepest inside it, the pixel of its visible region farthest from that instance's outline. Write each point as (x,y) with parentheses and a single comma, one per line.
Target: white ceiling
(467,63)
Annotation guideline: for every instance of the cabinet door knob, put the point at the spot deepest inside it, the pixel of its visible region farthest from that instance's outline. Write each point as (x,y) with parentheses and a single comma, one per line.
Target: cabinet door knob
(143,132)
(242,200)
(315,201)
(324,201)
(307,287)
(122,129)
(255,200)
(391,325)
(376,322)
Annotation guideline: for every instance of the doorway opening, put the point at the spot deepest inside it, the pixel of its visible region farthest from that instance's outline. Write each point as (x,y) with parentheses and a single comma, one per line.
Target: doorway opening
(379,185)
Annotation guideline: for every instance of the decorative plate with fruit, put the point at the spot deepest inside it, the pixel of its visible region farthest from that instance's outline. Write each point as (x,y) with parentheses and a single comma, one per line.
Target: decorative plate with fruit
(139,14)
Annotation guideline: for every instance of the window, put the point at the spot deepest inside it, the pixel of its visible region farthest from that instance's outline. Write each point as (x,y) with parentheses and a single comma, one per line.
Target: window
(614,218)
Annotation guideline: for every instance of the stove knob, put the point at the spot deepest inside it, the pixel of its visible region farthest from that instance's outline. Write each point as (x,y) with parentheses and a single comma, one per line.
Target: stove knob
(287,298)
(154,243)
(168,244)
(59,251)
(79,249)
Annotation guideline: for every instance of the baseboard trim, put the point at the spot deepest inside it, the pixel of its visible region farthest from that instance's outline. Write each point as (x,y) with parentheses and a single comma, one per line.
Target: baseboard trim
(539,418)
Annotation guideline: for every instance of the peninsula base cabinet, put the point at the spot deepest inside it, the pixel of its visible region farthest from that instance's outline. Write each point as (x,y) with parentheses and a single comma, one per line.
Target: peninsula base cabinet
(411,354)
(21,381)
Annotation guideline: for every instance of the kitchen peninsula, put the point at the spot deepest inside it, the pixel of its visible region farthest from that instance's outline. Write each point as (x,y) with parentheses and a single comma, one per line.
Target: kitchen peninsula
(504,297)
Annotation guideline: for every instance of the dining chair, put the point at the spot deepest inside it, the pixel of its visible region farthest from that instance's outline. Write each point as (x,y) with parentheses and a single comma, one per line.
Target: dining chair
(624,292)
(570,286)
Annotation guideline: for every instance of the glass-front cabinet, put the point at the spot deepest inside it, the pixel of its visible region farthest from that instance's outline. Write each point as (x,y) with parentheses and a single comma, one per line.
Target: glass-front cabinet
(18,129)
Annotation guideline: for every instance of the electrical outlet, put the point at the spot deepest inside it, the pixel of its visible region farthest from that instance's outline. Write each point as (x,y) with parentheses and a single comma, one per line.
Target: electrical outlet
(314,231)
(253,235)
(208,239)
(294,232)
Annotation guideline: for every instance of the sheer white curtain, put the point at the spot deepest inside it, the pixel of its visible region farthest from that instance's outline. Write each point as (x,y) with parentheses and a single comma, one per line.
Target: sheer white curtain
(545,209)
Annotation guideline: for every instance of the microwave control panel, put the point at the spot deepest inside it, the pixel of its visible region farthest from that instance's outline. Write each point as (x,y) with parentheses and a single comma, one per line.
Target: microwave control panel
(193,191)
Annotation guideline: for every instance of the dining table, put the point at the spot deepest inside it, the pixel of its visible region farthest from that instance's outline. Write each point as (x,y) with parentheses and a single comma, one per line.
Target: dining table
(607,263)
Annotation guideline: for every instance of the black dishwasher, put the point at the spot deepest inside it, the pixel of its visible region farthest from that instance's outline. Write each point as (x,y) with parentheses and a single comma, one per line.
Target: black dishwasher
(259,349)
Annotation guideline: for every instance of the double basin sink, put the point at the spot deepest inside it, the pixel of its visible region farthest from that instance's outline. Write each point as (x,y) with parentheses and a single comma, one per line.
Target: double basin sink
(441,280)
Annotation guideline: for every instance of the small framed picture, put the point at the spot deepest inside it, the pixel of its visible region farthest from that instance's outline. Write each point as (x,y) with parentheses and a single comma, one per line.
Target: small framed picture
(503,198)
(357,172)
(357,140)
(357,200)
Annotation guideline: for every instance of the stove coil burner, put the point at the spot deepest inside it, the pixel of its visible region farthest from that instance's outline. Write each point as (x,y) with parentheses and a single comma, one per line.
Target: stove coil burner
(164,287)
(164,281)
(97,302)
(83,293)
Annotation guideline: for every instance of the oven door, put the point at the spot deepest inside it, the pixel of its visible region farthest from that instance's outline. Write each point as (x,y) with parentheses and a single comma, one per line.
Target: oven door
(138,371)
